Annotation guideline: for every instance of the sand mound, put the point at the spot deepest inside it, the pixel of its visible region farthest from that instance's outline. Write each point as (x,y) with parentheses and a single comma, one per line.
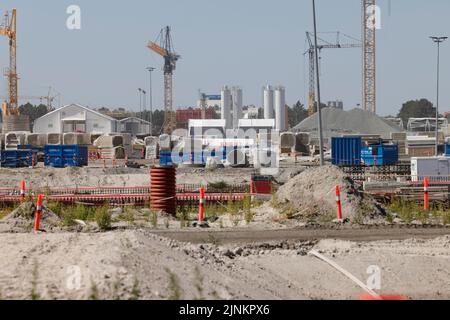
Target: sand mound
(311,195)
(357,121)
(22,219)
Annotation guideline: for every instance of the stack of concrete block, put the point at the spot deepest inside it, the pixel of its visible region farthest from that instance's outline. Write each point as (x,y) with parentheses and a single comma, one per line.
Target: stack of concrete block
(77,138)
(37,140)
(399,138)
(54,139)
(14,139)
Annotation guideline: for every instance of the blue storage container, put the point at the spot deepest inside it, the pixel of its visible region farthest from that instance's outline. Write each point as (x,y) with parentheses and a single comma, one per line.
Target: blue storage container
(447,150)
(61,156)
(346,151)
(165,158)
(381,155)
(16,158)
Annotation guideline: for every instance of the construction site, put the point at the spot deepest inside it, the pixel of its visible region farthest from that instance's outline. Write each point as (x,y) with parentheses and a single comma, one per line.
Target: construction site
(225,200)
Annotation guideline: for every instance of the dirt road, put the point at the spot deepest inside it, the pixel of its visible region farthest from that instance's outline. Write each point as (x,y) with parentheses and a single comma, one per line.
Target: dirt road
(251,235)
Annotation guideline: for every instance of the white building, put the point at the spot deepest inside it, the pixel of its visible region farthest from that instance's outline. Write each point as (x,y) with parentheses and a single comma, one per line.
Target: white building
(135,126)
(75,118)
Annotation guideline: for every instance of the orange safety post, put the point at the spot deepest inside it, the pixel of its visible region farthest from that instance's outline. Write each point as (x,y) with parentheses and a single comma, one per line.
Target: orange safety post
(338,203)
(38,213)
(425,194)
(22,190)
(201,208)
(126,160)
(114,161)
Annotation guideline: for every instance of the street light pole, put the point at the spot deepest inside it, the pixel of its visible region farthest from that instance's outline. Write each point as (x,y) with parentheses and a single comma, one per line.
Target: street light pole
(145,104)
(319,111)
(150,70)
(140,102)
(438,41)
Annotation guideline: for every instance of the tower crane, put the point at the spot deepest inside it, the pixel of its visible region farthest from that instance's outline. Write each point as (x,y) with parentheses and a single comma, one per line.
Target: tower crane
(369,55)
(8,29)
(164,47)
(323,44)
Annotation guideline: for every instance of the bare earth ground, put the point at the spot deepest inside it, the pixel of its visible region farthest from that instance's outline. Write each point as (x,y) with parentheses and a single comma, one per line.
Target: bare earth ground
(138,264)
(134,262)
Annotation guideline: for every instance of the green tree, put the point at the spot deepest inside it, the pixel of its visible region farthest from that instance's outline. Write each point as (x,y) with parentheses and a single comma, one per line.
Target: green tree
(297,114)
(34,112)
(416,109)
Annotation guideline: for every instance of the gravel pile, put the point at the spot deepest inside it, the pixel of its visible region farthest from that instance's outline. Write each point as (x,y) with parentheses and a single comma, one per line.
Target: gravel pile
(357,121)
(311,195)
(23,217)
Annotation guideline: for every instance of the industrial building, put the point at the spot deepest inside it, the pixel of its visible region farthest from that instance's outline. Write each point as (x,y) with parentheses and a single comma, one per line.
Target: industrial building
(210,101)
(75,118)
(184,115)
(135,126)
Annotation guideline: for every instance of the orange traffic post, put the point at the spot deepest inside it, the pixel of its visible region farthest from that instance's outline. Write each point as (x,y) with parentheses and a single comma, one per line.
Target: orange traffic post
(114,161)
(126,160)
(37,222)
(425,194)
(22,190)
(338,203)
(201,208)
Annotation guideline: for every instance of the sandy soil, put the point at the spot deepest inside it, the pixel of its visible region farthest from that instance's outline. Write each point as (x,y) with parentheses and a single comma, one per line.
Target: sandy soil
(121,264)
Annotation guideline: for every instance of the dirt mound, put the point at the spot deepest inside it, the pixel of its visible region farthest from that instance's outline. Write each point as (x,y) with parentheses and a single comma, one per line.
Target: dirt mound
(311,196)
(356,121)
(22,219)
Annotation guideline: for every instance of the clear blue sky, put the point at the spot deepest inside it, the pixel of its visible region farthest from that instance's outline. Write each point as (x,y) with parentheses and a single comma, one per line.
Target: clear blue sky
(248,43)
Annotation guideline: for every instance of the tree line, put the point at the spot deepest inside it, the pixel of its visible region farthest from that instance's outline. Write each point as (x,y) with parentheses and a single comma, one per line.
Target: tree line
(421,108)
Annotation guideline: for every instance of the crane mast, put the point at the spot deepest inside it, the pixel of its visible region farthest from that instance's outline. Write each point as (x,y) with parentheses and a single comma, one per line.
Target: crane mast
(369,55)
(9,29)
(165,49)
(323,44)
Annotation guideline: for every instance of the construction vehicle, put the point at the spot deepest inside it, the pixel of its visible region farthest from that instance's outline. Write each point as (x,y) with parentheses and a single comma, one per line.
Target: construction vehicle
(12,120)
(164,47)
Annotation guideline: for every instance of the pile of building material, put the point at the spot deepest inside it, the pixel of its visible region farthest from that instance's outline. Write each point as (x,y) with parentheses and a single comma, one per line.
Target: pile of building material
(151,148)
(337,122)
(73,138)
(111,146)
(302,140)
(311,195)
(287,142)
(54,139)
(14,139)
(399,138)
(420,146)
(37,140)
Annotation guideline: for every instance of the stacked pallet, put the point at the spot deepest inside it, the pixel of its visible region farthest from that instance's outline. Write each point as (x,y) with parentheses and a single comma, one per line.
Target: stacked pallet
(399,138)
(420,146)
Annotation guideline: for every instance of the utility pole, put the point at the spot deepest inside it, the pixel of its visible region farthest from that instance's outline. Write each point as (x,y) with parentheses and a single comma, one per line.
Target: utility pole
(145,105)
(140,102)
(319,111)
(438,41)
(150,70)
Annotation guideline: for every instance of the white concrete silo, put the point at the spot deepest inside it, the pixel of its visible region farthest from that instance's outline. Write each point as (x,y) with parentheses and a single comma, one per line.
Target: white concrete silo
(280,108)
(226,107)
(237,106)
(268,103)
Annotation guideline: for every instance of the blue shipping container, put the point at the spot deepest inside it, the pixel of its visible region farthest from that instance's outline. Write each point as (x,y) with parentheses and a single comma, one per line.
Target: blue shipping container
(165,158)
(381,155)
(16,158)
(66,156)
(447,150)
(346,151)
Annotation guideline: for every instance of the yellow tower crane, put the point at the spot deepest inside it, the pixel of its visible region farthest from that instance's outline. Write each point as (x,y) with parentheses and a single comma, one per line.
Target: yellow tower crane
(8,28)
(165,49)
